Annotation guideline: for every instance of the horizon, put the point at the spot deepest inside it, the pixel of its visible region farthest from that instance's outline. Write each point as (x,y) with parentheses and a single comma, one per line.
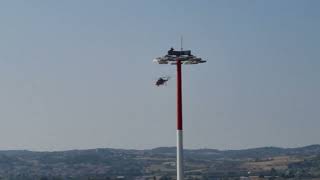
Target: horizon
(186,148)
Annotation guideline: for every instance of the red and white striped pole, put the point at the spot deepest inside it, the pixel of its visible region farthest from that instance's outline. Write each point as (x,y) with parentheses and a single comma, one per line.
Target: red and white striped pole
(187,58)
(179,123)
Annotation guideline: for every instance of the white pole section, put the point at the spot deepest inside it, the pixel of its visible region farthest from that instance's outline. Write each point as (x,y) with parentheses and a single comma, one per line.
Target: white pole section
(179,155)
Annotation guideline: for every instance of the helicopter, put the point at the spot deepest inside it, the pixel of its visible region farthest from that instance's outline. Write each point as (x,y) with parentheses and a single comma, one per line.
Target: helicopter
(162,80)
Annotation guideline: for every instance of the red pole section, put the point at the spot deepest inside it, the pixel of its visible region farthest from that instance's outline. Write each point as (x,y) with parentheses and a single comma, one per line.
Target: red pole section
(179,96)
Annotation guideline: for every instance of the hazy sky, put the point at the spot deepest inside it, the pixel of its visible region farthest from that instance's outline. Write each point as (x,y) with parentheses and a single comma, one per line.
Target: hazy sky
(79,74)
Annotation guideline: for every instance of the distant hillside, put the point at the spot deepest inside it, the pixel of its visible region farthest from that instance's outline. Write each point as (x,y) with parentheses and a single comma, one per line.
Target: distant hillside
(308,167)
(107,162)
(246,153)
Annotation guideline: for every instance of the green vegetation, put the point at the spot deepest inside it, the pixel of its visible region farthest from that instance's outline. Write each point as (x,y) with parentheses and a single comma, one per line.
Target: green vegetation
(159,163)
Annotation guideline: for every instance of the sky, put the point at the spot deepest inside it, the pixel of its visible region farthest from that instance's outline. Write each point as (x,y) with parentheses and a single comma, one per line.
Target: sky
(79,74)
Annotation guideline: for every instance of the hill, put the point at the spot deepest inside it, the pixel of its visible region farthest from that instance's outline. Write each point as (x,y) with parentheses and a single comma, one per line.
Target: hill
(106,162)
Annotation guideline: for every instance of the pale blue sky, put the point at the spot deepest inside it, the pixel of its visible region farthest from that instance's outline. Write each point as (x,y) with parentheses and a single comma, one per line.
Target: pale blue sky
(79,74)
